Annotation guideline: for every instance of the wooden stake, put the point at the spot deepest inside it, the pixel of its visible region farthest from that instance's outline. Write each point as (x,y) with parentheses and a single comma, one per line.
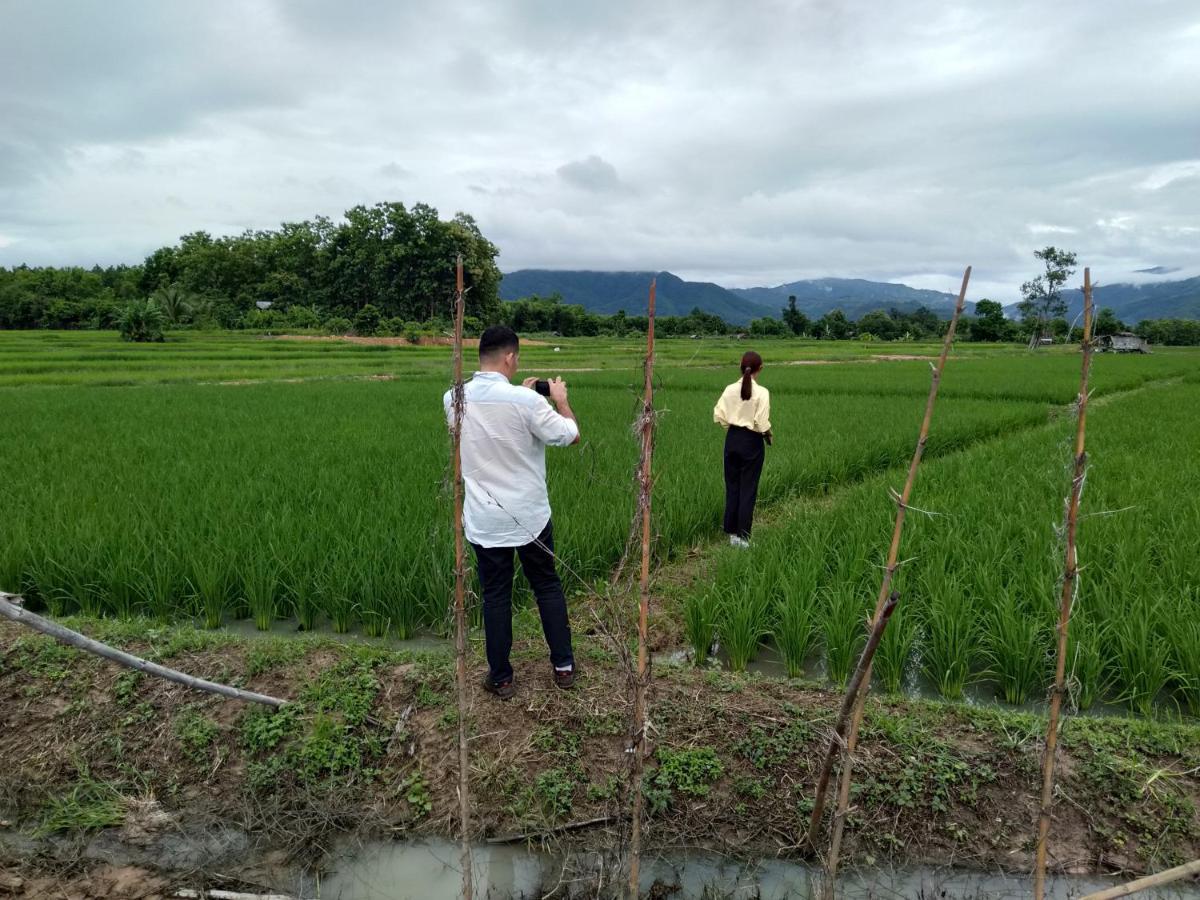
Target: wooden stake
(460,589)
(14,612)
(643,663)
(1070,573)
(880,604)
(1140,884)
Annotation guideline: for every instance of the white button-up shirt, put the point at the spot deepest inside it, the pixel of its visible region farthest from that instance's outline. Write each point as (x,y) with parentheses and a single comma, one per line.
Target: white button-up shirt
(505,431)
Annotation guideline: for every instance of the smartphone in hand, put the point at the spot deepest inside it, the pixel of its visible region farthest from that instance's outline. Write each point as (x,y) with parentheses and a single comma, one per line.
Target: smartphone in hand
(542,386)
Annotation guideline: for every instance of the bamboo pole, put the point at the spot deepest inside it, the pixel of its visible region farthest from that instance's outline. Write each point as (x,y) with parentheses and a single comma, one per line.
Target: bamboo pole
(460,578)
(643,660)
(880,603)
(1070,574)
(1141,884)
(14,612)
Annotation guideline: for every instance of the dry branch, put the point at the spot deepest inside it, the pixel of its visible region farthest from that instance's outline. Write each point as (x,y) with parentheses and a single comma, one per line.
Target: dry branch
(14,612)
(848,703)
(885,588)
(1140,884)
(460,586)
(1070,571)
(643,661)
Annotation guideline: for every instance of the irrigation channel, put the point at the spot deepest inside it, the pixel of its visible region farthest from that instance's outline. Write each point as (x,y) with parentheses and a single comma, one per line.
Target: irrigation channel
(379,872)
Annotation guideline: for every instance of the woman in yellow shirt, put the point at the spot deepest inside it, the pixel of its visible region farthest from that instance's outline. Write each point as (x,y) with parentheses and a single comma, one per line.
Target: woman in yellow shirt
(744,411)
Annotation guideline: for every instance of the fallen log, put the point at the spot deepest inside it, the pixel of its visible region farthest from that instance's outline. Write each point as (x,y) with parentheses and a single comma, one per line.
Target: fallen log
(11,609)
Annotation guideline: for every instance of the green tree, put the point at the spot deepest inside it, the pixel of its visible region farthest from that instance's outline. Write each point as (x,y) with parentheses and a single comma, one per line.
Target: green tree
(141,321)
(796,321)
(366,321)
(769,327)
(1108,323)
(990,323)
(833,326)
(879,324)
(1042,296)
(175,303)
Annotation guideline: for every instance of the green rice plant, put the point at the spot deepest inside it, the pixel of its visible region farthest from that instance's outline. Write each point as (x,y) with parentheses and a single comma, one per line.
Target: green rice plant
(951,635)
(158,586)
(743,620)
(209,583)
(79,579)
(896,648)
(14,551)
(1182,629)
(1085,661)
(372,592)
(797,612)
(401,589)
(844,630)
(337,597)
(120,584)
(301,582)
(50,586)
(260,582)
(699,623)
(1015,646)
(1141,657)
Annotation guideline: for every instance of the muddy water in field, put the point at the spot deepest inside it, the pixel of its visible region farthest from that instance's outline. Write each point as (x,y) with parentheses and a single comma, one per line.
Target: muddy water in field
(429,870)
(290,628)
(769,662)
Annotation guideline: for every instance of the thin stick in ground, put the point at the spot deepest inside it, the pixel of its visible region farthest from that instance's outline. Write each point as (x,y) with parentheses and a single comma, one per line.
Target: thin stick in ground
(638,743)
(1070,573)
(880,603)
(460,589)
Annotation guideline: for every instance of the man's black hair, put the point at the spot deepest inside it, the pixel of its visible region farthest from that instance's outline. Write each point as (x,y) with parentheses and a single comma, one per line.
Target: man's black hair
(498,339)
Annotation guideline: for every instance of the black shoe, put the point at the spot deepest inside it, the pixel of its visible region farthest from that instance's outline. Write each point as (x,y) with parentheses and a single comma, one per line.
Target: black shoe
(504,690)
(565,679)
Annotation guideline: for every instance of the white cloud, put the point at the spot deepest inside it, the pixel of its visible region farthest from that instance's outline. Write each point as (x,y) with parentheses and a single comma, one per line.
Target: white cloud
(739,143)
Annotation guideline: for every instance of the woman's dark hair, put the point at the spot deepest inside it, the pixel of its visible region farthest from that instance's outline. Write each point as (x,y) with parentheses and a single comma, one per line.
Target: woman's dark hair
(498,339)
(751,365)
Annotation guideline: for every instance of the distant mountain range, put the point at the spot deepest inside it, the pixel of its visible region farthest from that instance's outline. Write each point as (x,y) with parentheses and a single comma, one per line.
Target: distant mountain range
(608,292)
(1134,302)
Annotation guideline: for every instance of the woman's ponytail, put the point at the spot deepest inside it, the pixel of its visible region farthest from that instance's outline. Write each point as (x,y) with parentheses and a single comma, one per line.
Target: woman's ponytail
(751,364)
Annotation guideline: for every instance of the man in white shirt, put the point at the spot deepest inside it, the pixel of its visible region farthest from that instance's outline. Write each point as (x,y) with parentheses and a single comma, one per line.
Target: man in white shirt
(505,431)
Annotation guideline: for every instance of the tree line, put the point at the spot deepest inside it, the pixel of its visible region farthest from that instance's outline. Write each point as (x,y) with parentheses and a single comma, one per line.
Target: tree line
(385,270)
(392,259)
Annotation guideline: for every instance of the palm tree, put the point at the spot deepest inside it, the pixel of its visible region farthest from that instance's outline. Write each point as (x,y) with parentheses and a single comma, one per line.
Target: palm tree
(174,301)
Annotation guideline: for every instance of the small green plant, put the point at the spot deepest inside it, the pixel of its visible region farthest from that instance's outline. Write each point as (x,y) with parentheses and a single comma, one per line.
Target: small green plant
(609,789)
(688,772)
(125,688)
(196,734)
(263,730)
(271,653)
(416,792)
(555,792)
(88,805)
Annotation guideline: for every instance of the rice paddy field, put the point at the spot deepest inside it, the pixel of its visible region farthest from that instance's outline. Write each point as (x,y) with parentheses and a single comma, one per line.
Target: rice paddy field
(222,477)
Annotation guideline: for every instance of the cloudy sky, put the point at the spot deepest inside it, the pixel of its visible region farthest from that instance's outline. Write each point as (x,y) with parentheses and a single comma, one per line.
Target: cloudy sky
(739,142)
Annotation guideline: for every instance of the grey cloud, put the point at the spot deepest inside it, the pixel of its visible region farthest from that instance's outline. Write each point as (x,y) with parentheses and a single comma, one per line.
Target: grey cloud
(591,174)
(394,170)
(755,143)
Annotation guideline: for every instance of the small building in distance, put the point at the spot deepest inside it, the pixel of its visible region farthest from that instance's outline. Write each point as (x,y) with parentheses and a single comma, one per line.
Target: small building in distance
(1123,342)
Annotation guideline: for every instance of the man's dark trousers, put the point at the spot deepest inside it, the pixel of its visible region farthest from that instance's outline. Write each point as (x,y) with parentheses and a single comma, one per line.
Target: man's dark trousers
(495,565)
